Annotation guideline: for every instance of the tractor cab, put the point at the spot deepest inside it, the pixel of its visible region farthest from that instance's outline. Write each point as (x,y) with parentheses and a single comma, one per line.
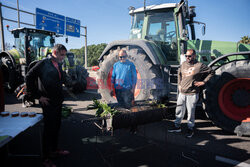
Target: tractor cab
(166,26)
(33,44)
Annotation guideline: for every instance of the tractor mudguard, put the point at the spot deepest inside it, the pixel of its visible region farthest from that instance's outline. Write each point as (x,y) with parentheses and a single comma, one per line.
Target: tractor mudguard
(226,95)
(154,53)
(9,56)
(9,66)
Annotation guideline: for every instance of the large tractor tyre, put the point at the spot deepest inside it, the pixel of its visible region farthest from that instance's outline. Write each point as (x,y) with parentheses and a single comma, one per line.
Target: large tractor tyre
(149,80)
(12,79)
(227,97)
(81,80)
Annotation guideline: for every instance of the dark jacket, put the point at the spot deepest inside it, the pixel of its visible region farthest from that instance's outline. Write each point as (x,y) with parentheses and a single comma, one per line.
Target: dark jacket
(43,80)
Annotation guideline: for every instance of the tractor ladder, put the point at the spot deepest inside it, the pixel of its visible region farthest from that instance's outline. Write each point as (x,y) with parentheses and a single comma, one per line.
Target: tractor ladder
(173,83)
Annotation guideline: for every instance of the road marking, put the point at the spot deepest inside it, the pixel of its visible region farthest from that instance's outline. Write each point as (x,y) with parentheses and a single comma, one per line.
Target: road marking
(232,162)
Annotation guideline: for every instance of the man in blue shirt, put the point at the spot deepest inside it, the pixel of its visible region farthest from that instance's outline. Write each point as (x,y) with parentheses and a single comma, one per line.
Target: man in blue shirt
(124,79)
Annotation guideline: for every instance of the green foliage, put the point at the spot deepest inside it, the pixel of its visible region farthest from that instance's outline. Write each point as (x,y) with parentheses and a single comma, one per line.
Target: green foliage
(94,52)
(103,109)
(157,104)
(66,111)
(245,40)
(95,105)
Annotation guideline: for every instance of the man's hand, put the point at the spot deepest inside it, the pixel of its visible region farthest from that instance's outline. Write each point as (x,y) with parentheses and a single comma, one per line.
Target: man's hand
(44,100)
(198,84)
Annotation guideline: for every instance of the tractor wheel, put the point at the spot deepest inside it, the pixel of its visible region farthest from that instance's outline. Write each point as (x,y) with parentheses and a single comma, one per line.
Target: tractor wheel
(149,81)
(11,78)
(81,79)
(227,97)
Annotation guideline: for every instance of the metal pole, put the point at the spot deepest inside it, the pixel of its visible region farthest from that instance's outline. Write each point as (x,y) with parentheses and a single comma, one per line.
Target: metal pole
(86,56)
(1,27)
(144,5)
(18,14)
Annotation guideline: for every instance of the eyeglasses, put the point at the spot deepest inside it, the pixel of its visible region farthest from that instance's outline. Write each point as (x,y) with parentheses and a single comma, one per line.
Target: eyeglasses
(120,57)
(188,56)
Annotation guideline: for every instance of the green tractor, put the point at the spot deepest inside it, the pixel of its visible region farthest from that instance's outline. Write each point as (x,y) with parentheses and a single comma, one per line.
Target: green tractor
(32,45)
(159,38)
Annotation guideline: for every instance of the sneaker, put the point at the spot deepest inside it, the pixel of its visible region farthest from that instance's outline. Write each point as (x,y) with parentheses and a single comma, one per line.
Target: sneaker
(175,129)
(190,133)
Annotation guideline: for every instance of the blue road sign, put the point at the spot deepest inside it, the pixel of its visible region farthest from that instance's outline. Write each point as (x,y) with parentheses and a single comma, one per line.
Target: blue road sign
(46,20)
(72,27)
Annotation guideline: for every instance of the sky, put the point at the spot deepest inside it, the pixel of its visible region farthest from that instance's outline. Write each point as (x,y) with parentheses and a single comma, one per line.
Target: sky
(108,20)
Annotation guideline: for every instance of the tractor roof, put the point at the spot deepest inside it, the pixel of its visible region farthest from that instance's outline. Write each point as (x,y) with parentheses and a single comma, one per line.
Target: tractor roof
(25,30)
(154,7)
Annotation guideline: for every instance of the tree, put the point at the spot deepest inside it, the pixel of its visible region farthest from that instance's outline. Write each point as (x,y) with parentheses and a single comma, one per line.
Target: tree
(245,40)
(94,52)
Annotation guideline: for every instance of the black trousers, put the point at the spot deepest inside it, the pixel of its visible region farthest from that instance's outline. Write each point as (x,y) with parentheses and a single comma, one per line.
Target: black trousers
(124,97)
(52,115)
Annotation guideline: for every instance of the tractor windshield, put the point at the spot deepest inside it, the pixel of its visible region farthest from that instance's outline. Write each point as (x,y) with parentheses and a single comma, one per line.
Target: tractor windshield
(161,29)
(38,43)
(40,40)
(137,24)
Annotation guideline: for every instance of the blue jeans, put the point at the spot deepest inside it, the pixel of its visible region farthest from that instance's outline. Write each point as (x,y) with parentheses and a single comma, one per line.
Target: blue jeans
(124,97)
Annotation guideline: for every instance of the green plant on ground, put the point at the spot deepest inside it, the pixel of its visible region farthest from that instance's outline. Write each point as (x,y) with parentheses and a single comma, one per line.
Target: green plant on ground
(103,109)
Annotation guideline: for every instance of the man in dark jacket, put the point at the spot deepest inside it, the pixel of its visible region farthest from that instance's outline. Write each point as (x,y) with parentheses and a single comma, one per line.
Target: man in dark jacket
(44,82)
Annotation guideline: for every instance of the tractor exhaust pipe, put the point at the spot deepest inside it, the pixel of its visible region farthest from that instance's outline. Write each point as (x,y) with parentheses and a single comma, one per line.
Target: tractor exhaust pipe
(192,14)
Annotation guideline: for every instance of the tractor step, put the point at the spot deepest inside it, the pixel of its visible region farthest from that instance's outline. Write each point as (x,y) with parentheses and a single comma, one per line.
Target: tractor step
(173,83)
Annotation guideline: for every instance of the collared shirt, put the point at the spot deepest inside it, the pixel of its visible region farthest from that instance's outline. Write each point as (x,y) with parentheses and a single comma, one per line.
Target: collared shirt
(56,66)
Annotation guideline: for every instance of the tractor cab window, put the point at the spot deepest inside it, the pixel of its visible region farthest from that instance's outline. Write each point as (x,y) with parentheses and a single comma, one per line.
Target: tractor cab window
(161,29)
(38,42)
(137,24)
(20,44)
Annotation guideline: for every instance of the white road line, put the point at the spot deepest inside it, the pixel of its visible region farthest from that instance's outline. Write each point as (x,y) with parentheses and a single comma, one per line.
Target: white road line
(232,162)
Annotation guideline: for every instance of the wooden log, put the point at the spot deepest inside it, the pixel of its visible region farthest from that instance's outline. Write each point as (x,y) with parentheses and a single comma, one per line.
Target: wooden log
(138,115)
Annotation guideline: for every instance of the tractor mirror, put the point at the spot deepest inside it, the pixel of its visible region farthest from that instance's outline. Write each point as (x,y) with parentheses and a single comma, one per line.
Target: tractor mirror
(16,34)
(203,30)
(52,40)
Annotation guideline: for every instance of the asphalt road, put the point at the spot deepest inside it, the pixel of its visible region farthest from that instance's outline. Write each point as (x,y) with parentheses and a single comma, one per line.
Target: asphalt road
(151,146)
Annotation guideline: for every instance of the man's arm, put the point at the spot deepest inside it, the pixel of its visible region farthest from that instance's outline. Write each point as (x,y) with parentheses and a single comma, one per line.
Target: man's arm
(207,72)
(179,78)
(31,80)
